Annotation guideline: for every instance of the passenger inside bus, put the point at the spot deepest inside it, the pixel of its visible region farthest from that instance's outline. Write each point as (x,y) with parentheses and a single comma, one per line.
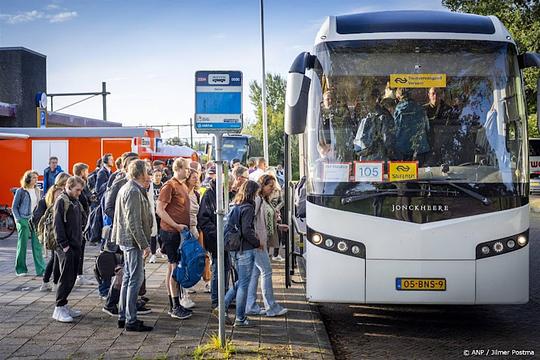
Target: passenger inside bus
(412,128)
(375,136)
(337,126)
(436,109)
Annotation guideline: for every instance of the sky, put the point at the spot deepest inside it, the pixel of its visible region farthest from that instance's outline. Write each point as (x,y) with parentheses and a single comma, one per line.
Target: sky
(148,51)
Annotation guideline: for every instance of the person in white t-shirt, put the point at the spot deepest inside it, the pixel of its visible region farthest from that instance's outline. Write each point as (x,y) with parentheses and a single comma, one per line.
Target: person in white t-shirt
(261,169)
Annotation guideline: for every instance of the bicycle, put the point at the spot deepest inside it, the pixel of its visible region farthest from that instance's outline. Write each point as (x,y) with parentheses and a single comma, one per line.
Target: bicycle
(7,222)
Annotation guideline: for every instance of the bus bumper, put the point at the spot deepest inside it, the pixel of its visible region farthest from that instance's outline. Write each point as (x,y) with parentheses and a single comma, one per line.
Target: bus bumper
(501,279)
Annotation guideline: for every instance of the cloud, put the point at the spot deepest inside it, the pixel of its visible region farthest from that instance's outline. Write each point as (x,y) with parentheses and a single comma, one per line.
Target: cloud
(62,17)
(23,17)
(53,7)
(29,16)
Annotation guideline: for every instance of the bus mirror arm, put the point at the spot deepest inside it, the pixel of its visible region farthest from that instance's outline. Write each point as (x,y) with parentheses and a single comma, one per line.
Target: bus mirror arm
(528,60)
(297,94)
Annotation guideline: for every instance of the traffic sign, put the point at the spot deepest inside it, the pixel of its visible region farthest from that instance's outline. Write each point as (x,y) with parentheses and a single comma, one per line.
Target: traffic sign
(218,101)
(41,117)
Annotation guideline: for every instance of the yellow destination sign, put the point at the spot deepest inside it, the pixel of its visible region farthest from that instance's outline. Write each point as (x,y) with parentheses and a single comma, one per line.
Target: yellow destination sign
(417,80)
(402,170)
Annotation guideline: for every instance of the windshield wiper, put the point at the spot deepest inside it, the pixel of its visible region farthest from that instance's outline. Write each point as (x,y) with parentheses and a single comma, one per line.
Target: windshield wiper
(374,193)
(484,200)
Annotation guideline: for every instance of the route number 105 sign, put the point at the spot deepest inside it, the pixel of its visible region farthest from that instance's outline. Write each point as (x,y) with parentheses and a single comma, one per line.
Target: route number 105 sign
(365,171)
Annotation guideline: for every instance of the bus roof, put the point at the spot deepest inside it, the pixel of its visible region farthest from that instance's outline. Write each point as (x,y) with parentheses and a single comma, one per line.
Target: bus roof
(412,24)
(99,132)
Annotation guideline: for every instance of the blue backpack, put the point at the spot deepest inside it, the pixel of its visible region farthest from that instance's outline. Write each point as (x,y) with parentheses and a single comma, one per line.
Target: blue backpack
(192,256)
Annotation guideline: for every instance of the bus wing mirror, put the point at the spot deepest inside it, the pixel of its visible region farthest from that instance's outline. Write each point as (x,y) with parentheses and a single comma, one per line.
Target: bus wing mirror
(528,60)
(297,94)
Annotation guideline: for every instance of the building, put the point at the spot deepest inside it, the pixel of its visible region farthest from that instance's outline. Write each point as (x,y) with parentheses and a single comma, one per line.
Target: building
(23,75)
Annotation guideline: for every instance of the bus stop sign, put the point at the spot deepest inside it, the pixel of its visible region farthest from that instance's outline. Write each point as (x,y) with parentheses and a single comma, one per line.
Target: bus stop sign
(218,101)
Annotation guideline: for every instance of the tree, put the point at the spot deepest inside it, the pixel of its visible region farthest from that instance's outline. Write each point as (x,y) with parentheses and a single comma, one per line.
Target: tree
(522,19)
(177,141)
(275,97)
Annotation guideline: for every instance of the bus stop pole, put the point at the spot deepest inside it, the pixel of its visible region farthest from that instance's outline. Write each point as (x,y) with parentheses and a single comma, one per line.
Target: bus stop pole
(220,246)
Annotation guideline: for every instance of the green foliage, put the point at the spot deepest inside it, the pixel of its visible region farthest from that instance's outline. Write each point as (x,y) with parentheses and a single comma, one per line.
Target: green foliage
(212,349)
(533,127)
(177,141)
(275,102)
(522,19)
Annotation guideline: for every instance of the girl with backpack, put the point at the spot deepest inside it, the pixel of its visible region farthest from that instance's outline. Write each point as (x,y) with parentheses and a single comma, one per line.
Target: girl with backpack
(155,241)
(192,183)
(53,267)
(24,203)
(266,226)
(245,257)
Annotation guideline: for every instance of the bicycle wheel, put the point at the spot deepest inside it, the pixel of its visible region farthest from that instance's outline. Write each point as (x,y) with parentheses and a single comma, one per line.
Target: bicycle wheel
(7,225)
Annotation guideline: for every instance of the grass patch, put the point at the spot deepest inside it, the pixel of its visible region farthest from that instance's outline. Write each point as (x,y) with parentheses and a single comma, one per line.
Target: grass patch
(212,349)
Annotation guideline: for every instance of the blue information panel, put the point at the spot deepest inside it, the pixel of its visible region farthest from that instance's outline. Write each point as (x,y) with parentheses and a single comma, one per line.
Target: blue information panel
(218,101)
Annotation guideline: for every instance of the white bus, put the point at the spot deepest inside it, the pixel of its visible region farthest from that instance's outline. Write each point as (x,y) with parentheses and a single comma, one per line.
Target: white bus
(414,146)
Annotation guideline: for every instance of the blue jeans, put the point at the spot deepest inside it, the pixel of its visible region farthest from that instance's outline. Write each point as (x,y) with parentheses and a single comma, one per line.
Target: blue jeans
(104,286)
(131,283)
(262,268)
(214,280)
(244,265)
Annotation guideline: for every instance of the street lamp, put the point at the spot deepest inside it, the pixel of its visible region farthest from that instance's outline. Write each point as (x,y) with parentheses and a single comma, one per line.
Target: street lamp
(263,93)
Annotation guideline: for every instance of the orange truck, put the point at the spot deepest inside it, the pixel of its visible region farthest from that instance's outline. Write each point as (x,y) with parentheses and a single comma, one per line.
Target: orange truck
(30,148)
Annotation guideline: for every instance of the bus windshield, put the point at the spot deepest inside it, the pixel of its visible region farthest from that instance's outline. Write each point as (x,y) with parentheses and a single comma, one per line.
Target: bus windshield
(388,111)
(235,147)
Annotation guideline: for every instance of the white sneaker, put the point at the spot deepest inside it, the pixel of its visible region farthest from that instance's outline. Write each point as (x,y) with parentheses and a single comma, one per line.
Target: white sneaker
(61,314)
(45,287)
(187,303)
(278,258)
(72,312)
(152,259)
(281,312)
(22,274)
(191,290)
(81,280)
(160,254)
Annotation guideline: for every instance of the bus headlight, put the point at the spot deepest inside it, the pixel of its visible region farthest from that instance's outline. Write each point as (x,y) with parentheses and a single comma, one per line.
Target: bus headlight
(498,247)
(502,246)
(317,239)
(336,244)
(342,246)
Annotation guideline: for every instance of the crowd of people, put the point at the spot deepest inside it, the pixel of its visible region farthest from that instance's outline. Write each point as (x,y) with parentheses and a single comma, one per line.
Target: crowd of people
(137,215)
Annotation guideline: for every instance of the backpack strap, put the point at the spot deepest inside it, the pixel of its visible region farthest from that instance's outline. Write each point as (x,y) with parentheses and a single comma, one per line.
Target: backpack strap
(67,203)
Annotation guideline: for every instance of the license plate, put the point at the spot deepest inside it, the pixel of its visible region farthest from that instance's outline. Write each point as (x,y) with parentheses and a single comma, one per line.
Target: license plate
(420,284)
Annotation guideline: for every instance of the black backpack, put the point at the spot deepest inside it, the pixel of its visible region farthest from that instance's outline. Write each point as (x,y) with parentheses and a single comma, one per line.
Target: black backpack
(92,178)
(94,225)
(233,230)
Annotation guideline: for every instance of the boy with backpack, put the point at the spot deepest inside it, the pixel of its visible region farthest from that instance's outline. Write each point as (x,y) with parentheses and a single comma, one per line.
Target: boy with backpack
(173,209)
(68,236)
(132,228)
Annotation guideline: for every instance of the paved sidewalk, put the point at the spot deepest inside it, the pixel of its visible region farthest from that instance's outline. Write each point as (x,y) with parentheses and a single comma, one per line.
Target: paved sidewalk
(28,331)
